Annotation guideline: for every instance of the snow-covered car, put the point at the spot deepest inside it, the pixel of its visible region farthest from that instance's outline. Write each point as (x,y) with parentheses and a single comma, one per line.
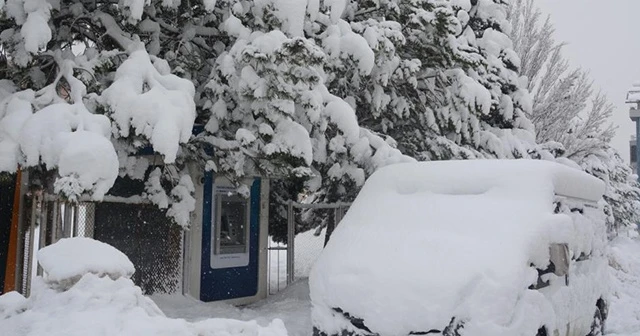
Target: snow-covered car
(467,248)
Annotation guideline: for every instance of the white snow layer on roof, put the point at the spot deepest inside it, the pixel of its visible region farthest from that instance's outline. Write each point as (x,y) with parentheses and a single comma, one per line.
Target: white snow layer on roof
(633,95)
(466,177)
(456,239)
(101,300)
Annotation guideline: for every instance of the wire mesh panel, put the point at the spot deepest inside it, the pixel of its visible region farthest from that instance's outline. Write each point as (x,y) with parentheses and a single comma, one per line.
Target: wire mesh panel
(84,217)
(26,262)
(148,238)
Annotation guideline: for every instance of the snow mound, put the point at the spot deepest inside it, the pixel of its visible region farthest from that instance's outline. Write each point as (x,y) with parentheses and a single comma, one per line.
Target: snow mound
(11,303)
(66,261)
(456,239)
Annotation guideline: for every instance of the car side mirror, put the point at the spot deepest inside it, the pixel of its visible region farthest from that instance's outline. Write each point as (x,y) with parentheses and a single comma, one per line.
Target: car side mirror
(559,256)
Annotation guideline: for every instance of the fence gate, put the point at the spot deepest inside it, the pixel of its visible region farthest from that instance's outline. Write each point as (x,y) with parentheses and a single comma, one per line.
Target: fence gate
(293,260)
(140,230)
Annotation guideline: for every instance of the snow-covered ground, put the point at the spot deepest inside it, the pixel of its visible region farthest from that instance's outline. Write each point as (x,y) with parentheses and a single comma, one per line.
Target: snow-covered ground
(624,314)
(291,305)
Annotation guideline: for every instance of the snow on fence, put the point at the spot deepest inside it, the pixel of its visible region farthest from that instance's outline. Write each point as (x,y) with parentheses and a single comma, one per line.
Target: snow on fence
(293,261)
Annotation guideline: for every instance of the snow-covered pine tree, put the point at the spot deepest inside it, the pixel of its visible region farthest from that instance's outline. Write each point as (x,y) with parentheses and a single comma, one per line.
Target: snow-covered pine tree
(450,87)
(85,93)
(281,73)
(92,83)
(498,126)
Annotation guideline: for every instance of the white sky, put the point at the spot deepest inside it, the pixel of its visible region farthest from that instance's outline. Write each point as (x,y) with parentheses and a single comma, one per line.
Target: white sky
(603,38)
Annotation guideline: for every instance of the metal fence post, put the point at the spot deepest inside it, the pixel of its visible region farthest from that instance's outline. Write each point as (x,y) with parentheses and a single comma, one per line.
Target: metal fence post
(35,216)
(43,229)
(76,216)
(67,221)
(55,222)
(291,236)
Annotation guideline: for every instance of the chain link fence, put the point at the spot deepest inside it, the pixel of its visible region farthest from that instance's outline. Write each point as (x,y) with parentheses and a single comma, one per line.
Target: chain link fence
(293,260)
(140,230)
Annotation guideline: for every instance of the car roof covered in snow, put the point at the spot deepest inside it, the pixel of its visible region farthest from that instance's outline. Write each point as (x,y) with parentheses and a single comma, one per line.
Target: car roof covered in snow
(460,177)
(424,242)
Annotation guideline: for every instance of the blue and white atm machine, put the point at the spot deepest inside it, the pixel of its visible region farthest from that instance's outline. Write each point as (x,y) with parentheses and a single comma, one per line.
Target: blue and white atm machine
(227,244)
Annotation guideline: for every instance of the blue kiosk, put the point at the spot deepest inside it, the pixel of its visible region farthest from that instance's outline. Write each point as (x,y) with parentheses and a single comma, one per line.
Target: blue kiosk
(226,247)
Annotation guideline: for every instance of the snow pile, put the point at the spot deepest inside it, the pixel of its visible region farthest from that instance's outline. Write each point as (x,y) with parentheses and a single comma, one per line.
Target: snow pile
(455,239)
(81,256)
(102,305)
